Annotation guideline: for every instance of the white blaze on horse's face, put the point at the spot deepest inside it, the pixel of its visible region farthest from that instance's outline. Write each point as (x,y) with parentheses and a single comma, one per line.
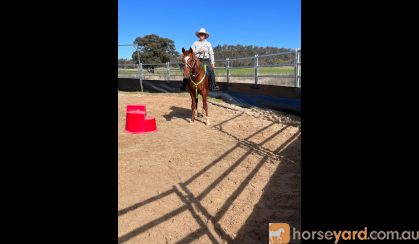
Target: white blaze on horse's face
(186,60)
(186,69)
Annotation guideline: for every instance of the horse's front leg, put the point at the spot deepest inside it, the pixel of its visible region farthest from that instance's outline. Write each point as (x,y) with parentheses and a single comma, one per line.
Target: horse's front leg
(205,106)
(196,107)
(193,108)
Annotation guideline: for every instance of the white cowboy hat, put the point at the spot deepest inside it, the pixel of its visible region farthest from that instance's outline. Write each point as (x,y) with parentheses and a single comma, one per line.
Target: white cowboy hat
(202,30)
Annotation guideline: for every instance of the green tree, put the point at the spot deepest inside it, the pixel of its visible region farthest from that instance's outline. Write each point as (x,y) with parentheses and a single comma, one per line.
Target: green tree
(155,49)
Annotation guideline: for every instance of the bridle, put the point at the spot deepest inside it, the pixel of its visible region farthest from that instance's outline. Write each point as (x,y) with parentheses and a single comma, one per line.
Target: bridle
(192,67)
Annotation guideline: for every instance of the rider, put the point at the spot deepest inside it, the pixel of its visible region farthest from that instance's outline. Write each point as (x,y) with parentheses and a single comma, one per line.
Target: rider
(203,50)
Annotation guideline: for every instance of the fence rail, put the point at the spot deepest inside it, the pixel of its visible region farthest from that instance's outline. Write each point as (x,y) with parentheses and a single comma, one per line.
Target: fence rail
(173,70)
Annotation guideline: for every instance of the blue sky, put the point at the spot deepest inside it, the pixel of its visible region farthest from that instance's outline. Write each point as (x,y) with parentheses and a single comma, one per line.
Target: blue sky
(258,22)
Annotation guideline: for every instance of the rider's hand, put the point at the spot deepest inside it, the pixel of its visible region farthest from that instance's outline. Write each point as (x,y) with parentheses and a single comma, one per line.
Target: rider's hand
(213,65)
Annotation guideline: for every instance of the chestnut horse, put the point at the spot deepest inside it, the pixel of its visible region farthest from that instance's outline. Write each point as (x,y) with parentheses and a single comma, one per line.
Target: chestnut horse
(197,83)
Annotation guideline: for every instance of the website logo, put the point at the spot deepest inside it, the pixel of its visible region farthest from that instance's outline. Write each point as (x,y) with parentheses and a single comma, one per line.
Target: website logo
(279,233)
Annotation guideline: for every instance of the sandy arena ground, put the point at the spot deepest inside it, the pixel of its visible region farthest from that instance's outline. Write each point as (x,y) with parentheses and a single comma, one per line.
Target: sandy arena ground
(221,183)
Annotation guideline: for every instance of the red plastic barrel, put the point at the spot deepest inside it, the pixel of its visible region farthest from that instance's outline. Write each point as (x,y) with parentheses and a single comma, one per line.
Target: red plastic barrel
(137,121)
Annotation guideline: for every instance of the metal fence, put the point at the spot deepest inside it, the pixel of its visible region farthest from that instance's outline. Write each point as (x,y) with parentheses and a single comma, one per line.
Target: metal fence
(259,69)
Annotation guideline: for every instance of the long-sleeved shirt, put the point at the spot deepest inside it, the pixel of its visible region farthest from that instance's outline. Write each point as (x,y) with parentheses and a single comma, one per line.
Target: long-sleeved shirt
(203,49)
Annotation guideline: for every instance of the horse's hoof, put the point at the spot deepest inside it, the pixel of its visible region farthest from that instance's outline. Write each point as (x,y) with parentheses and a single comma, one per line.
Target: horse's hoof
(208,121)
(200,115)
(191,122)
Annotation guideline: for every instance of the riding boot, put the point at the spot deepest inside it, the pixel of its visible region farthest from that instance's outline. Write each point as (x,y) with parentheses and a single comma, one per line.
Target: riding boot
(210,83)
(214,86)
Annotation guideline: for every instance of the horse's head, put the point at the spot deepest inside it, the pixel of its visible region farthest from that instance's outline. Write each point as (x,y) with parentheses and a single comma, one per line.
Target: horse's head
(189,59)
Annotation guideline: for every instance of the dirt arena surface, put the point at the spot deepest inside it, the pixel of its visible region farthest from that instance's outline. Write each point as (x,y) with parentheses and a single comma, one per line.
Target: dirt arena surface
(221,183)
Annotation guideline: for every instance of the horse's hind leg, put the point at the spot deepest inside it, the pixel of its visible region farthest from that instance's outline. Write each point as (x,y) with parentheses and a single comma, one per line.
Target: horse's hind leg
(196,107)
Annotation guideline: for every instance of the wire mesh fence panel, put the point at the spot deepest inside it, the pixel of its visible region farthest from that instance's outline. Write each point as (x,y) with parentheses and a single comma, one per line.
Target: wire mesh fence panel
(280,69)
(129,70)
(127,67)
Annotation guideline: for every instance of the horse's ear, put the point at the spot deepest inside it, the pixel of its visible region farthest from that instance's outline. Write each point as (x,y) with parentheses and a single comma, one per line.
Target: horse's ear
(190,50)
(183,50)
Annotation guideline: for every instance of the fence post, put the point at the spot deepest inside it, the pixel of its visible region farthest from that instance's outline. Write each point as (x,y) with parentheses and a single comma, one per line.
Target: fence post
(140,74)
(256,65)
(168,70)
(140,68)
(228,71)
